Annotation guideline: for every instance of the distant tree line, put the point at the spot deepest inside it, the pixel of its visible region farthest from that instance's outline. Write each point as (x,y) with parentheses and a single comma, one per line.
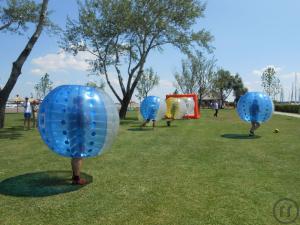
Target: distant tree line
(43,87)
(120,35)
(199,75)
(271,83)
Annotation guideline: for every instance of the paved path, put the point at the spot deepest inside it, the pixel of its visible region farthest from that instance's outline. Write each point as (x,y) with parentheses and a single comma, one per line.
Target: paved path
(287,114)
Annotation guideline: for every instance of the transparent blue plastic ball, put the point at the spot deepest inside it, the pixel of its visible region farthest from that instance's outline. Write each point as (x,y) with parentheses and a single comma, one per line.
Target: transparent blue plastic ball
(78,121)
(255,107)
(149,107)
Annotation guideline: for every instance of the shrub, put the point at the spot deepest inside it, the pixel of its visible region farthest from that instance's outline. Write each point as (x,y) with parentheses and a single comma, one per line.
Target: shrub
(287,108)
(231,104)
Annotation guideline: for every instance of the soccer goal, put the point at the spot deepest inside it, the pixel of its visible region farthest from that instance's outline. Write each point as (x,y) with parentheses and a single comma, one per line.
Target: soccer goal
(191,102)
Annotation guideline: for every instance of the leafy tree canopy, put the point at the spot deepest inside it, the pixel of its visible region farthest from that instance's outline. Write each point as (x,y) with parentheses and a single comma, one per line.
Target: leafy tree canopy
(223,84)
(270,82)
(123,32)
(148,81)
(100,85)
(238,87)
(16,15)
(44,86)
(197,75)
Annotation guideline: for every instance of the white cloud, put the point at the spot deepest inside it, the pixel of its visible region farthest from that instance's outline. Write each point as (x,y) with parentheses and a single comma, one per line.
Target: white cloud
(37,71)
(115,82)
(29,83)
(290,75)
(164,87)
(61,61)
(260,71)
(253,85)
(166,83)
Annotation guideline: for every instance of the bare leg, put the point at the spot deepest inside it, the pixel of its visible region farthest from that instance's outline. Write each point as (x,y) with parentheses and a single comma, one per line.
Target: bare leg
(216,113)
(28,123)
(144,124)
(76,164)
(168,123)
(257,125)
(252,128)
(33,121)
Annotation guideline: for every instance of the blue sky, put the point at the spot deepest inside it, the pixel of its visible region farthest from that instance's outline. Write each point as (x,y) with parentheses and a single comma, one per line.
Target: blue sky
(249,35)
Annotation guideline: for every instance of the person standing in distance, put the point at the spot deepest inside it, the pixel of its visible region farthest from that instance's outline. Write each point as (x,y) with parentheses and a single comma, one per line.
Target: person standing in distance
(27,113)
(216,108)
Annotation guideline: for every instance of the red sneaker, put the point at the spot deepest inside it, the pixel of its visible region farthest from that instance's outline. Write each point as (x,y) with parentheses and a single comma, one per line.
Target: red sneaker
(79,181)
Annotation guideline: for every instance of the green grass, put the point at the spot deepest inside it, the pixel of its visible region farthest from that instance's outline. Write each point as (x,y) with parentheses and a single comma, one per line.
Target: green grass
(202,171)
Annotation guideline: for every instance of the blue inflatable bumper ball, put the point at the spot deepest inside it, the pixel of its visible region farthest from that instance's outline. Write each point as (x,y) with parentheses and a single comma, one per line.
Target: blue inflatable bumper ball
(150,107)
(255,107)
(78,121)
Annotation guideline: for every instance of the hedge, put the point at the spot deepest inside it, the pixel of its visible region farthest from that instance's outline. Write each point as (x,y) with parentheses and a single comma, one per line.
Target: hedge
(287,108)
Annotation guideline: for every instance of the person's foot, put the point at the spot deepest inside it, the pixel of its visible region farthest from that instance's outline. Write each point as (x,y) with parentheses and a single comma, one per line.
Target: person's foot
(251,134)
(78,181)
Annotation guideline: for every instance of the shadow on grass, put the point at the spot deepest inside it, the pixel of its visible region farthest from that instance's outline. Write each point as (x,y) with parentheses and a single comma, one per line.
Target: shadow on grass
(150,128)
(166,126)
(11,132)
(126,122)
(41,184)
(140,129)
(240,136)
(130,120)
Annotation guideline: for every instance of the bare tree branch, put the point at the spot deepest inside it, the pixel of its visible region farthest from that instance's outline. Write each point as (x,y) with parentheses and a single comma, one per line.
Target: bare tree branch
(5,25)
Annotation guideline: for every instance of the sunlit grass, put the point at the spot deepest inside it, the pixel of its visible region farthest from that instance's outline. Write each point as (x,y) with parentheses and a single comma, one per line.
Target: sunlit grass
(204,171)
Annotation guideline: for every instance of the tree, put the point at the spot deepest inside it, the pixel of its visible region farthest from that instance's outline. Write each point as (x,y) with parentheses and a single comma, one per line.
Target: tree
(43,87)
(15,16)
(12,18)
(146,83)
(238,87)
(223,84)
(281,95)
(277,89)
(100,85)
(123,32)
(186,80)
(270,83)
(196,76)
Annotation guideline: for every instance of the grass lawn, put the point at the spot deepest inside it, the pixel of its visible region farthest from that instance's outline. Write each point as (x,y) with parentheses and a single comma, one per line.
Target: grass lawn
(204,171)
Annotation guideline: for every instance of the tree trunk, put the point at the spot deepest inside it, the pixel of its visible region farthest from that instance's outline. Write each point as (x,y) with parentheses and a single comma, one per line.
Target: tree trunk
(4,94)
(2,111)
(200,99)
(222,102)
(126,99)
(124,107)
(17,65)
